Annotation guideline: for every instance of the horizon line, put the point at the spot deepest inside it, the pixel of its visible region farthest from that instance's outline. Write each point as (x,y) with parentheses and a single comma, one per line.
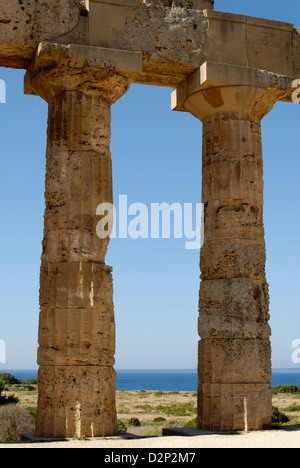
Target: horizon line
(147,369)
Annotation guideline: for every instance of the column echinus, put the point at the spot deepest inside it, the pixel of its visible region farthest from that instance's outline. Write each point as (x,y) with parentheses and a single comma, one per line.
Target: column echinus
(77,328)
(234,350)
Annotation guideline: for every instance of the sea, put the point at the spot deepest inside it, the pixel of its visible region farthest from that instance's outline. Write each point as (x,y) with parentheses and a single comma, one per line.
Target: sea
(168,380)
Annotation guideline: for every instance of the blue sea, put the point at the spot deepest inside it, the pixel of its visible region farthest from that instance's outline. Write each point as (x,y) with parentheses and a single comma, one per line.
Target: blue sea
(168,380)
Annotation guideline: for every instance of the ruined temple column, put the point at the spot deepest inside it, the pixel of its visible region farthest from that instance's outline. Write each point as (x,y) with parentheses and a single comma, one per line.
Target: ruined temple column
(235,350)
(77,328)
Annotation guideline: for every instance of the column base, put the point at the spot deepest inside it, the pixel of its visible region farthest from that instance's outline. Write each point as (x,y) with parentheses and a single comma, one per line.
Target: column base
(234,407)
(76,400)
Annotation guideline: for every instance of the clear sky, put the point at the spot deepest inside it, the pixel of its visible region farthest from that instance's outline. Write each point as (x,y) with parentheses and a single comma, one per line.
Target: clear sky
(156,158)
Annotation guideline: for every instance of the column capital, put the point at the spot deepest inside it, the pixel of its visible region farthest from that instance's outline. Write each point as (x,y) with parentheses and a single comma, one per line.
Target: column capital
(92,70)
(219,88)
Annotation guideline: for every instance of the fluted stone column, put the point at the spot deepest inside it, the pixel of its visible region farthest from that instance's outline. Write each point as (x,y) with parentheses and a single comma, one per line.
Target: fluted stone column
(77,328)
(234,350)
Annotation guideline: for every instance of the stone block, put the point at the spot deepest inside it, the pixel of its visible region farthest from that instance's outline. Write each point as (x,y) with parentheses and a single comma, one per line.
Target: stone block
(76,400)
(76,337)
(233,218)
(234,258)
(77,286)
(231,361)
(234,308)
(234,407)
(73,238)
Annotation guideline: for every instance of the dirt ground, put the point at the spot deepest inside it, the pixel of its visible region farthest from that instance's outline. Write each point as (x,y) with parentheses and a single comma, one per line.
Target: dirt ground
(157,410)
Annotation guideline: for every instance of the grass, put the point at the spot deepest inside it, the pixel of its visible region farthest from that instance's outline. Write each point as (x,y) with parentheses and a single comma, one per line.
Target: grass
(157,409)
(13,422)
(293,408)
(183,409)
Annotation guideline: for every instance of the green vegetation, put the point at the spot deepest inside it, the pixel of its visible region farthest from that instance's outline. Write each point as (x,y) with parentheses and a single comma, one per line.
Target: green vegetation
(181,409)
(4,400)
(160,419)
(13,422)
(32,410)
(293,408)
(134,422)
(285,389)
(191,423)
(32,381)
(279,417)
(10,379)
(83,437)
(121,426)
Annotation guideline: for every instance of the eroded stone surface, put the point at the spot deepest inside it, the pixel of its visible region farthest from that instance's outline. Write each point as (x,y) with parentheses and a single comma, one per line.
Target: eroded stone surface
(229,70)
(235,350)
(77,327)
(244,407)
(23,24)
(76,400)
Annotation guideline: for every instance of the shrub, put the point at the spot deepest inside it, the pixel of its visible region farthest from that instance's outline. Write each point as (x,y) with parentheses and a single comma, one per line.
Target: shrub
(159,419)
(293,408)
(278,417)
(32,410)
(9,379)
(29,388)
(4,400)
(32,382)
(122,426)
(285,389)
(13,422)
(134,422)
(191,423)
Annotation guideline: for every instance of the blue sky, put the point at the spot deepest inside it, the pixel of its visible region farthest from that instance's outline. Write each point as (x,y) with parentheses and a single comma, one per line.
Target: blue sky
(156,158)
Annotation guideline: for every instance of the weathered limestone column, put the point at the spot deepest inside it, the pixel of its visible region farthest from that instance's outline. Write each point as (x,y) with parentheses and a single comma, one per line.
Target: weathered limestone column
(235,350)
(77,328)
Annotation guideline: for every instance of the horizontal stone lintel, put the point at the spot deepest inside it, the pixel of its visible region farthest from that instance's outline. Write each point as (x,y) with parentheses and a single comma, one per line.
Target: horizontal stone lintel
(250,20)
(126,3)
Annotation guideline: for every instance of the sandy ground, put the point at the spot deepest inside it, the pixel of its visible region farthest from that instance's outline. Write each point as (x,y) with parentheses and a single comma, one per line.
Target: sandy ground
(174,409)
(285,438)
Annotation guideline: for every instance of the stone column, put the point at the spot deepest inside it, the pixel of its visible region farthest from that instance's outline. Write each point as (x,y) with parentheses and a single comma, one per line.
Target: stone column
(235,350)
(77,328)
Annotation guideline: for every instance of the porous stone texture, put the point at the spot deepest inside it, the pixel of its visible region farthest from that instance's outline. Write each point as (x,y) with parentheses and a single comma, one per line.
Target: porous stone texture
(77,327)
(25,23)
(160,25)
(228,70)
(76,400)
(235,350)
